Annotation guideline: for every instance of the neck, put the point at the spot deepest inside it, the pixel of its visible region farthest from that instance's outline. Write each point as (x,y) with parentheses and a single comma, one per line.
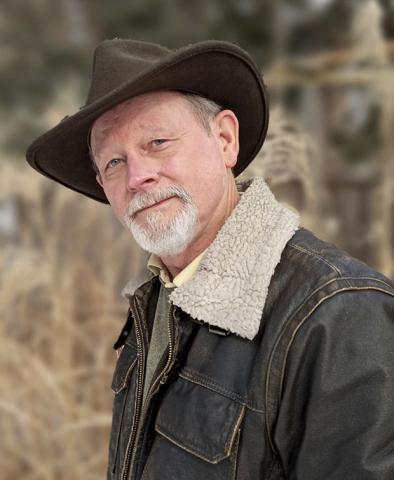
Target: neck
(205,233)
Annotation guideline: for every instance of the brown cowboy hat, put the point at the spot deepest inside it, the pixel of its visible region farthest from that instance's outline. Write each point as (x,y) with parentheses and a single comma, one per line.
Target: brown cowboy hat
(218,70)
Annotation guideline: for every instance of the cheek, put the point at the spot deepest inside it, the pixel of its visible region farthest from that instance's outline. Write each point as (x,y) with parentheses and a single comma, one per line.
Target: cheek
(208,170)
(119,213)
(208,191)
(118,204)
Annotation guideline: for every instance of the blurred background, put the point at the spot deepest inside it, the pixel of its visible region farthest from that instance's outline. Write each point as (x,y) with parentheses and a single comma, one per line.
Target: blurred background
(329,67)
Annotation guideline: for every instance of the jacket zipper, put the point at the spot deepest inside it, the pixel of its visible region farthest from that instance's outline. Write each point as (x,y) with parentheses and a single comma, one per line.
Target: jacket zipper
(162,377)
(139,390)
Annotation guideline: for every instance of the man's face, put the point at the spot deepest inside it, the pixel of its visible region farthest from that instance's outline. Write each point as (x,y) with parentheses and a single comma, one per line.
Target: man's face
(164,175)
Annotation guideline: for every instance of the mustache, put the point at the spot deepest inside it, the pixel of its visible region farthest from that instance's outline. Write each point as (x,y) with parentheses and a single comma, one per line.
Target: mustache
(146,199)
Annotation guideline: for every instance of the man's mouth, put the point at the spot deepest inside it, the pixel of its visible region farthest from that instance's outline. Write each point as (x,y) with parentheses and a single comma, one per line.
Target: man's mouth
(157,204)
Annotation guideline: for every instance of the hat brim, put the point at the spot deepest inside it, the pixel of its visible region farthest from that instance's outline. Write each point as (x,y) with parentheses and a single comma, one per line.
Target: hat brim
(219,71)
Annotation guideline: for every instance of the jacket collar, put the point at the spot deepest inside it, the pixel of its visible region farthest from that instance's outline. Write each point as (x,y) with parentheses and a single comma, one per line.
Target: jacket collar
(230,286)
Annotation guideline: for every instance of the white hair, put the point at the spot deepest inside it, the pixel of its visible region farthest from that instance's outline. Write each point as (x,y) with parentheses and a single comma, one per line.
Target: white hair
(203,108)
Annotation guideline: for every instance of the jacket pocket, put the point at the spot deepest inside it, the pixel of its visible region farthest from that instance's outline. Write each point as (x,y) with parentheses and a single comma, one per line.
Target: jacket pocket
(123,387)
(197,432)
(126,362)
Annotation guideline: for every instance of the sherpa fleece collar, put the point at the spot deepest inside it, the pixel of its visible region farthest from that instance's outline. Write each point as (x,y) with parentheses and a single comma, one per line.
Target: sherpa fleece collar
(230,287)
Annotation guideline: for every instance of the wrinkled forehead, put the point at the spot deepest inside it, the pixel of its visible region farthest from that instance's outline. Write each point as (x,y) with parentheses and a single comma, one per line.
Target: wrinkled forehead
(126,111)
(105,122)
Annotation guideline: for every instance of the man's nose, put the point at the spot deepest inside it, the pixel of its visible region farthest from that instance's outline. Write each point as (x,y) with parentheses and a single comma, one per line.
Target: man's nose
(142,172)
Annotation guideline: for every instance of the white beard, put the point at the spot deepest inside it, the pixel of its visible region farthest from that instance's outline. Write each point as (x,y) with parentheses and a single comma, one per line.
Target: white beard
(161,236)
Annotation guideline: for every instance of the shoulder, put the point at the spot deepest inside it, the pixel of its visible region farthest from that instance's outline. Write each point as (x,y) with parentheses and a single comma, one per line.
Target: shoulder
(306,251)
(311,273)
(333,300)
(311,269)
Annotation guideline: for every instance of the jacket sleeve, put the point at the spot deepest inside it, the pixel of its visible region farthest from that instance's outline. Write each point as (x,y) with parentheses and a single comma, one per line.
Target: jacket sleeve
(336,419)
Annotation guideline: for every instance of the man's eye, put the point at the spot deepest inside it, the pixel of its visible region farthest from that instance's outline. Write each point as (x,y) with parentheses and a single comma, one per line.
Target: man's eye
(158,141)
(113,163)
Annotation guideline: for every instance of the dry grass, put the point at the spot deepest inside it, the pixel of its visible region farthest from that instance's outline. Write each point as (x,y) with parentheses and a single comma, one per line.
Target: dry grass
(60,312)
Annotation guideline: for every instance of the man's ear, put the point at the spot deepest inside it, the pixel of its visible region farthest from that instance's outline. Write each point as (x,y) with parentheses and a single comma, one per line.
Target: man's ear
(227,131)
(99,180)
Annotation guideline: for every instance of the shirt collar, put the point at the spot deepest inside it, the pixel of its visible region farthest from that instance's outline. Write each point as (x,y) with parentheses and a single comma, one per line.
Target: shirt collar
(157,267)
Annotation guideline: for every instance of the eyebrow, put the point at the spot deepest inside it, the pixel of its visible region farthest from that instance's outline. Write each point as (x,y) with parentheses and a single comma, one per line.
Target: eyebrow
(156,129)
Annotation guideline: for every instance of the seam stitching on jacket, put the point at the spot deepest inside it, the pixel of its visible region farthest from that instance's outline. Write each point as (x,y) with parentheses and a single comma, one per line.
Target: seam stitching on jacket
(347,281)
(217,389)
(316,255)
(196,449)
(126,377)
(378,280)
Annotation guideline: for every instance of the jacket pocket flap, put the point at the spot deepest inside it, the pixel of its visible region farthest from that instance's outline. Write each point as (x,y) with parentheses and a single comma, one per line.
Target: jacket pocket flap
(199,420)
(124,366)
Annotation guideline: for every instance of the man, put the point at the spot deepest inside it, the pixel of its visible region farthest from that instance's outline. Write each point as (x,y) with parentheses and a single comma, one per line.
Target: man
(254,350)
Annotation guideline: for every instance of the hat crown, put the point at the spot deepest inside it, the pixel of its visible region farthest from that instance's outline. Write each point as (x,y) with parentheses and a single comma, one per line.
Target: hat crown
(118,61)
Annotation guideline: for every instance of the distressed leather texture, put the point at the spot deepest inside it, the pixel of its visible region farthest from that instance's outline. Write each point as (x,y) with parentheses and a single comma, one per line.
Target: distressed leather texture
(309,397)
